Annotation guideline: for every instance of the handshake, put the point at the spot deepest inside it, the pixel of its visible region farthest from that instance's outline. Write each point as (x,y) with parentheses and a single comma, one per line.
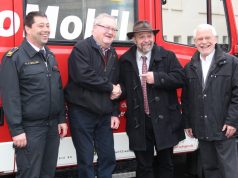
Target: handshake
(116,92)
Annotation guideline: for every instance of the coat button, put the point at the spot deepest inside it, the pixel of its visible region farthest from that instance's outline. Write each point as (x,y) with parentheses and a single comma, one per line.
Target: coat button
(162,80)
(161,116)
(157,98)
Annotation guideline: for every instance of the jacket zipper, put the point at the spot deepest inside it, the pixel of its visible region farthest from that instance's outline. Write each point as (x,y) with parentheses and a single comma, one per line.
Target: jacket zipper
(49,80)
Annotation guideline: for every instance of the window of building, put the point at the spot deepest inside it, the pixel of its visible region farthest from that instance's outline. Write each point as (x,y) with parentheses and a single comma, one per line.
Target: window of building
(177,39)
(190,40)
(225,39)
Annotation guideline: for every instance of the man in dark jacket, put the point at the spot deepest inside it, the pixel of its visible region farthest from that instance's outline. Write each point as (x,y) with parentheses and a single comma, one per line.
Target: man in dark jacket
(149,77)
(91,92)
(210,104)
(33,101)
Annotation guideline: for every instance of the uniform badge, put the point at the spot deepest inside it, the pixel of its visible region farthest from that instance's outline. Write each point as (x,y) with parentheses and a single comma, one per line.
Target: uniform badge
(32,62)
(11,52)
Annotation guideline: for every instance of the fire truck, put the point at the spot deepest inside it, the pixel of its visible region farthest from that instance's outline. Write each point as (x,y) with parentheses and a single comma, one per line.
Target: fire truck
(71,20)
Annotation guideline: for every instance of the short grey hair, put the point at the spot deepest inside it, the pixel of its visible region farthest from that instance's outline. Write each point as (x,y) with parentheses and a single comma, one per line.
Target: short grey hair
(204,27)
(100,17)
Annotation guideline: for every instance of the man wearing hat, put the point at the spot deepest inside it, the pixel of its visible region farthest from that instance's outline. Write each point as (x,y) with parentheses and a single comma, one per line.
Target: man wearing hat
(149,76)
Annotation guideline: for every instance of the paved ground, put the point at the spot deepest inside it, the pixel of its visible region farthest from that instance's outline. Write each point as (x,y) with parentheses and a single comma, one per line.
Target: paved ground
(184,168)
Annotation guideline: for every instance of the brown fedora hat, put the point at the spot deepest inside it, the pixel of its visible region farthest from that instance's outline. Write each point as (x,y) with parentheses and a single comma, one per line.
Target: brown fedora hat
(141,26)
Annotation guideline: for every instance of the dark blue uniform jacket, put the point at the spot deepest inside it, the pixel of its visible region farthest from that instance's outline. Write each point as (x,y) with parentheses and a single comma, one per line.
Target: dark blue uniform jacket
(32,92)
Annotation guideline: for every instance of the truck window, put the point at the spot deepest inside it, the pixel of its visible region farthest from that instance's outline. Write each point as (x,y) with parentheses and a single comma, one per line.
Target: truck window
(73,19)
(180,18)
(235,9)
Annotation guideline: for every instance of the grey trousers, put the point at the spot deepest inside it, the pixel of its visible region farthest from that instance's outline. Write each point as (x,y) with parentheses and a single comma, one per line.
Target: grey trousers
(219,158)
(39,158)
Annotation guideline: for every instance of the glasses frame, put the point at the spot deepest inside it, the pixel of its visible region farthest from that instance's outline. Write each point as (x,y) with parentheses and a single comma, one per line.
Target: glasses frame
(107,28)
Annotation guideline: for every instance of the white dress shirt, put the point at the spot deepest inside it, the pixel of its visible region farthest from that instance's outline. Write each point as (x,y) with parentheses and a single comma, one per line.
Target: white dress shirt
(140,61)
(206,63)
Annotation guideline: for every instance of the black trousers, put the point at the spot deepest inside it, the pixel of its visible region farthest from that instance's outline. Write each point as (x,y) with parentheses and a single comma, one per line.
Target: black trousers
(219,158)
(145,159)
(92,134)
(39,158)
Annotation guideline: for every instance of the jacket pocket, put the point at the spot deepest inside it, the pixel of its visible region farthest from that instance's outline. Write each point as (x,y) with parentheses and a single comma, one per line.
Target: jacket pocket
(99,103)
(35,91)
(33,76)
(175,117)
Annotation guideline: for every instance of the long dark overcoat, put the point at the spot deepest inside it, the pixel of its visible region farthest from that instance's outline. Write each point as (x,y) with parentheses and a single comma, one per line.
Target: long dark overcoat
(162,97)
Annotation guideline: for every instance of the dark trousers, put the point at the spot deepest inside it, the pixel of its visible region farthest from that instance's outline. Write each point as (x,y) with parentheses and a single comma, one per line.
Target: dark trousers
(219,158)
(145,158)
(91,131)
(39,158)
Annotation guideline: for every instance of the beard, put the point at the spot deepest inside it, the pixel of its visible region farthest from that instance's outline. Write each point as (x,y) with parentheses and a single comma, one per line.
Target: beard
(147,47)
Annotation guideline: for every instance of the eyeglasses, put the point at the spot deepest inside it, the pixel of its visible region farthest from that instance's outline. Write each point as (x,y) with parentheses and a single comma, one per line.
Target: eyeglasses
(107,28)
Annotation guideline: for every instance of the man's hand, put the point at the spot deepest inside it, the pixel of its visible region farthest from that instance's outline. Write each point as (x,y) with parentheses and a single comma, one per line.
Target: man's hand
(149,76)
(189,132)
(230,131)
(115,122)
(116,92)
(19,141)
(62,129)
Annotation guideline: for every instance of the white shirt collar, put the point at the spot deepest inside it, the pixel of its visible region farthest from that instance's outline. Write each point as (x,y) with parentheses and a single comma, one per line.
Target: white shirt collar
(139,54)
(209,57)
(35,47)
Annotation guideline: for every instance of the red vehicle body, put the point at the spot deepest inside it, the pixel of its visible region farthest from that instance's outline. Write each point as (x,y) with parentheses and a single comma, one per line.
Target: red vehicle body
(73,20)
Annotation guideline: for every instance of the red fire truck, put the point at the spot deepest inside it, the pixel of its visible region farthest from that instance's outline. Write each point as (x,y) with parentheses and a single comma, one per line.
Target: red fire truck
(71,20)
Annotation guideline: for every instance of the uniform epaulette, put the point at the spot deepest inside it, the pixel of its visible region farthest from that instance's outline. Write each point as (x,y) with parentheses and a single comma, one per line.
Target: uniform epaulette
(11,52)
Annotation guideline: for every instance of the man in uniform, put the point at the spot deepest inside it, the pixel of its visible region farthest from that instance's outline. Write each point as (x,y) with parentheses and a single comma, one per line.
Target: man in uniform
(33,101)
